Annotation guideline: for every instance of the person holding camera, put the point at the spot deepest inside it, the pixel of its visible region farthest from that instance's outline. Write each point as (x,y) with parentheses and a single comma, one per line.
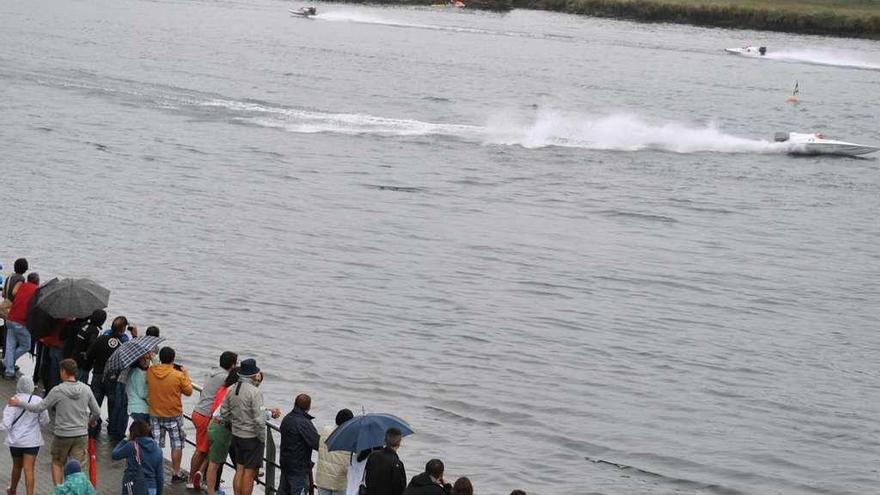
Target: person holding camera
(166,383)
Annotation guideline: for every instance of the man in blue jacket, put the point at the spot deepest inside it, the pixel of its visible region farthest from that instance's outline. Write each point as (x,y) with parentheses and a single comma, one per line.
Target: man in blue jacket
(298,439)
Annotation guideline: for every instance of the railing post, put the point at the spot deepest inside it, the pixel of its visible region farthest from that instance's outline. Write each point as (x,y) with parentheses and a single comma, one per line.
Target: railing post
(270,461)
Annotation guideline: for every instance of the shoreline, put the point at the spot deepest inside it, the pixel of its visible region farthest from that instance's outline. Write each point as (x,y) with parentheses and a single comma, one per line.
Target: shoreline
(839,18)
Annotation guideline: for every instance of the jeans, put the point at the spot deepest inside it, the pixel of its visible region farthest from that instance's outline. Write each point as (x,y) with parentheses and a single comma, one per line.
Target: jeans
(117,420)
(82,375)
(101,390)
(140,417)
(297,484)
(18,342)
(324,491)
(52,367)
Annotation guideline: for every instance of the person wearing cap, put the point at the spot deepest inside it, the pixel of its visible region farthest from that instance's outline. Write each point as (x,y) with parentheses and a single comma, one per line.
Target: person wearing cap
(75,481)
(243,410)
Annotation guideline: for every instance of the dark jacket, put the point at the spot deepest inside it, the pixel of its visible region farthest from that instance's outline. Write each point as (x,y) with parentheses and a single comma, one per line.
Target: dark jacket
(83,340)
(298,439)
(100,352)
(422,484)
(384,473)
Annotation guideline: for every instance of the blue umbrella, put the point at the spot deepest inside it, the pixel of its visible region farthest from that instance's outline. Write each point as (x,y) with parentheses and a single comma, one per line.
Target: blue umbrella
(365,432)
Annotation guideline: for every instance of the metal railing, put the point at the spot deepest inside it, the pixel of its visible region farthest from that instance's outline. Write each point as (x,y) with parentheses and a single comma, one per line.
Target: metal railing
(270,456)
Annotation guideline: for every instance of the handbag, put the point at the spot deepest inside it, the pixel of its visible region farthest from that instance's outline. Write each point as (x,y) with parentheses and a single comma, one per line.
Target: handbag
(133,480)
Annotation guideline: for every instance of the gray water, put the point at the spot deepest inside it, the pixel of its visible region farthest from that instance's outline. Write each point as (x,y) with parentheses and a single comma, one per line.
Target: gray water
(545,240)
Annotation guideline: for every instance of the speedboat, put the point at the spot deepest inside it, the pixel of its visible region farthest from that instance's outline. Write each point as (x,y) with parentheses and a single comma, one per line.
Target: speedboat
(304,11)
(748,51)
(818,144)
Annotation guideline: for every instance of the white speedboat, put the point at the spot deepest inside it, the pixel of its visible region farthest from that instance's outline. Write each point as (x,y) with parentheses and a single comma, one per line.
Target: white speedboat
(748,51)
(304,12)
(818,144)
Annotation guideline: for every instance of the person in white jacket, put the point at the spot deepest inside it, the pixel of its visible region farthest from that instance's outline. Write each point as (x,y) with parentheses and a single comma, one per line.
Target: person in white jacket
(331,475)
(23,435)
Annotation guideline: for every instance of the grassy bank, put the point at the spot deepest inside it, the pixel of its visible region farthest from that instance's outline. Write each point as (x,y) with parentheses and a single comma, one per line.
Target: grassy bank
(856,18)
(852,18)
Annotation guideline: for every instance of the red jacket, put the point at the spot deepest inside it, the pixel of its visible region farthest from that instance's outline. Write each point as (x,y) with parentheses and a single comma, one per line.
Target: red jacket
(19,310)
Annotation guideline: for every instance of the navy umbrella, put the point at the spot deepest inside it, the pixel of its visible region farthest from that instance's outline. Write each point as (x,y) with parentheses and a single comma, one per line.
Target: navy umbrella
(365,432)
(129,352)
(72,298)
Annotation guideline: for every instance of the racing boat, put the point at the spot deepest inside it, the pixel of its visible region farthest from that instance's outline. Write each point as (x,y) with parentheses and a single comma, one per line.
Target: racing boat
(748,51)
(304,11)
(818,144)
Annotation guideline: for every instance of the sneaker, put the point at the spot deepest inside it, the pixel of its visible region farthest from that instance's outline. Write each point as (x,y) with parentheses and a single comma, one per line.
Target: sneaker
(10,491)
(175,478)
(196,481)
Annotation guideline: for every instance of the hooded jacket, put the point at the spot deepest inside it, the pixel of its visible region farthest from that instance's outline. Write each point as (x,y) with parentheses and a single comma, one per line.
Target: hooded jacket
(298,439)
(75,484)
(215,380)
(332,471)
(151,461)
(422,484)
(74,406)
(23,427)
(164,387)
(243,409)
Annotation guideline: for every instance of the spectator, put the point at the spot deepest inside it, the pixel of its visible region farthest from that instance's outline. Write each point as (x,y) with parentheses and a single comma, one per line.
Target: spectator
(105,386)
(201,417)
(219,437)
(136,390)
(52,350)
(430,482)
(23,435)
(332,471)
(127,333)
(143,458)
(13,283)
(18,339)
(463,486)
(75,481)
(85,337)
(152,331)
(298,439)
(243,409)
(165,385)
(385,473)
(75,407)
(356,471)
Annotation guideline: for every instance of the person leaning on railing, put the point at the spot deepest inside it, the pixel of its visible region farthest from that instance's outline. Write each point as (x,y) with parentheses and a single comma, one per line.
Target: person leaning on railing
(201,418)
(243,410)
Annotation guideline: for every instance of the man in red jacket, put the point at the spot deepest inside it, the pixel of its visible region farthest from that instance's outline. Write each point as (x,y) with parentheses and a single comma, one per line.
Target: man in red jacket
(18,339)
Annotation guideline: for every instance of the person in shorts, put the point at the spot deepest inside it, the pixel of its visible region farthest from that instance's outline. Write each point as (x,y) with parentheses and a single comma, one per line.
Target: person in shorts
(219,438)
(23,435)
(166,383)
(75,408)
(201,418)
(243,410)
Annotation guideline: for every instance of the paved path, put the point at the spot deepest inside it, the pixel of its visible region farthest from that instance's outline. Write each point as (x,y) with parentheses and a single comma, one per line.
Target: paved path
(109,471)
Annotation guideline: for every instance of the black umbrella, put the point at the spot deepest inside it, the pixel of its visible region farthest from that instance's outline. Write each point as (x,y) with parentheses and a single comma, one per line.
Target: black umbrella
(72,298)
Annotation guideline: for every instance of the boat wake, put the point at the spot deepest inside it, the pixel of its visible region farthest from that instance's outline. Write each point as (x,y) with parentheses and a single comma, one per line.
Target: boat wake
(837,58)
(365,18)
(615,132)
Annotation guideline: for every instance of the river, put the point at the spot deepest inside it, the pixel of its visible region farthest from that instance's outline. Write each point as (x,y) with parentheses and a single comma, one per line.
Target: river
(552,243)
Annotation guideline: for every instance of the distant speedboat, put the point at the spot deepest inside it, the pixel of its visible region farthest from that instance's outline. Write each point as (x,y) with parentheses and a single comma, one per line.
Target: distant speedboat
(818,144)
(304,11)
(748,51)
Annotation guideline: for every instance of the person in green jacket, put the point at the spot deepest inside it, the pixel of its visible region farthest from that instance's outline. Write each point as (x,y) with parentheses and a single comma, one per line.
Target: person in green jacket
(75,481)
(138,407)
